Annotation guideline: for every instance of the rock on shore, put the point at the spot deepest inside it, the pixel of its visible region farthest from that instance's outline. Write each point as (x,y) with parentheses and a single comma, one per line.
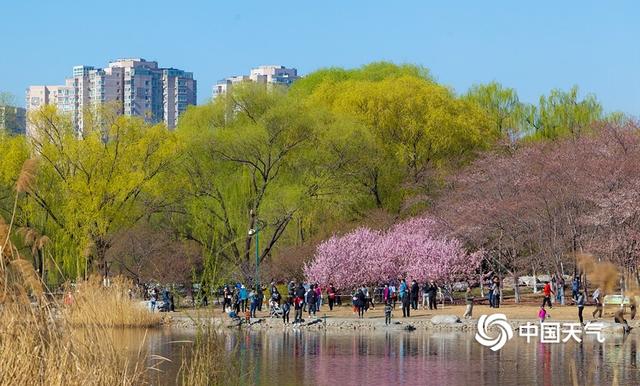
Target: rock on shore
(445,319)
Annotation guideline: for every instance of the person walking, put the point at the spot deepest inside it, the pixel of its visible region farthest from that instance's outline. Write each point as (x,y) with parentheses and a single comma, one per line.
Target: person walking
(165,300)
(542,314)
(252,298)
(386,294)
(331,294)
(297,303)
(415,292)
(203,297)
(575,288)
(597,298)
(227,295)
(495,289)
(490,293)
(406,306)
(547,291)
(365,304)
(394,295)
(433,290)
(318,297)
(403,290)
(243,298)
(387,313)
(260,297)
(152,302)
(370,298)
(236,302)
(300,293)
(560,289)
(361,303)
(468,299)
(291,291)
(580,301)
(311,300)
(425,296)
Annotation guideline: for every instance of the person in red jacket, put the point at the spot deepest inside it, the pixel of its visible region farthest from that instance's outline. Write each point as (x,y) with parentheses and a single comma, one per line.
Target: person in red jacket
(547,291)
(331,294)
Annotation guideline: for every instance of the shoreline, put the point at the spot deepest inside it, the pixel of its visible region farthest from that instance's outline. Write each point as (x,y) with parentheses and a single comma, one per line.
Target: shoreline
(444,322)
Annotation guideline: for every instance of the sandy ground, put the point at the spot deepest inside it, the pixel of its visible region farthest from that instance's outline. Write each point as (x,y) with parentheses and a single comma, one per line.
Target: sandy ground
(512,311)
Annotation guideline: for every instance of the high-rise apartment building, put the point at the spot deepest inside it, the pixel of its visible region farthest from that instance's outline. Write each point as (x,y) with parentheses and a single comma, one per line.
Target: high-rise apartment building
(271,74)
(225,84)
(179,91)
(134,87)
(13,120)
(274,75)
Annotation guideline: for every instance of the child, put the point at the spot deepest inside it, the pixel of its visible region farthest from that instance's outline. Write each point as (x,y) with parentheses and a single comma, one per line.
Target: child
(286,307)
(542,314)
(387,313)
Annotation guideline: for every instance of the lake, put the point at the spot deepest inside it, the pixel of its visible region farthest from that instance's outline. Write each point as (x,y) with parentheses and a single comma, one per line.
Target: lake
(408,358)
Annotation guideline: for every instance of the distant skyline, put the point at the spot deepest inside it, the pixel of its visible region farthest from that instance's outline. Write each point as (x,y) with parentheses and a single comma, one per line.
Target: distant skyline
(530,46)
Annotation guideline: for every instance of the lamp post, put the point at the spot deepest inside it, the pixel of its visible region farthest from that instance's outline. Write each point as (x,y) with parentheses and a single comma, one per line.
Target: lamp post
(256,231)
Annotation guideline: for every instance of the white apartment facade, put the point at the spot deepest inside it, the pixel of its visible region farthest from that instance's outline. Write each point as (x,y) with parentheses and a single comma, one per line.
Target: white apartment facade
(268,74)
(135,87)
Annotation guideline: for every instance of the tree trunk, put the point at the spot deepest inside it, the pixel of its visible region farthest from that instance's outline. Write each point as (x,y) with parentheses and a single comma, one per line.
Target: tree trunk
(516,288)
(252,225)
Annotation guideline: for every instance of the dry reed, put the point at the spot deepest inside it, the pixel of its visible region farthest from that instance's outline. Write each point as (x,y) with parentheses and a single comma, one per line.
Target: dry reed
(96,305)
(207,362)
(38,349)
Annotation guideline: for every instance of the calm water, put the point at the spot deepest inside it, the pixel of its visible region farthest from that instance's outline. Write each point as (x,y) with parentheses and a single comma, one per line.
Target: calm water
(412,358)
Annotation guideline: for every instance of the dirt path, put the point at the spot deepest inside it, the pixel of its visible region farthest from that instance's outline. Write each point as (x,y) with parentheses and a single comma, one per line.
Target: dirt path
(512,311)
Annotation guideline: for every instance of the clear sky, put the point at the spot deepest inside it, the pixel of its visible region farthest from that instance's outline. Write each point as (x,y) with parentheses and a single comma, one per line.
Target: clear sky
(532,46)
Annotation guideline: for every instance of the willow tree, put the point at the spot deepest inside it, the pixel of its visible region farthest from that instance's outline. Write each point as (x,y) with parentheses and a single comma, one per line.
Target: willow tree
(252,161)
(561,114)
(501,104)
(420,127)
(87,188)
(13,152)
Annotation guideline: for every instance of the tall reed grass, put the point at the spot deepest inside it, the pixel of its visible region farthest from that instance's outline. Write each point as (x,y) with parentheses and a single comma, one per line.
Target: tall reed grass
(93,304)
(39,348)
(207,362)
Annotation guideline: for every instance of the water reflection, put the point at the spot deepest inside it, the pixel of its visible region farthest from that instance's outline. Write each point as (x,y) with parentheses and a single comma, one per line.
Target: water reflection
(412,358)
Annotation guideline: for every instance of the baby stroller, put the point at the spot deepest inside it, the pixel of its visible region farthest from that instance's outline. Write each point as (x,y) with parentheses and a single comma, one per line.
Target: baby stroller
(275,309)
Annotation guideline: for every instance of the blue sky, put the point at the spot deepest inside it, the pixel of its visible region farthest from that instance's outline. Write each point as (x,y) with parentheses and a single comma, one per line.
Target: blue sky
(533,46)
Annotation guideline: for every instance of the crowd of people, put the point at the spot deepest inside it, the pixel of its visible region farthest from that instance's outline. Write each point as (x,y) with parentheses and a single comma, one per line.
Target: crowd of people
(154,296)
(308,298)
(303,299)
(555,289)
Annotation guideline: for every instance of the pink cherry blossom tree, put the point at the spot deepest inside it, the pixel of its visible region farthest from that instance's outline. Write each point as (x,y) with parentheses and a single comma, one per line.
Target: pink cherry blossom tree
(416,249)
